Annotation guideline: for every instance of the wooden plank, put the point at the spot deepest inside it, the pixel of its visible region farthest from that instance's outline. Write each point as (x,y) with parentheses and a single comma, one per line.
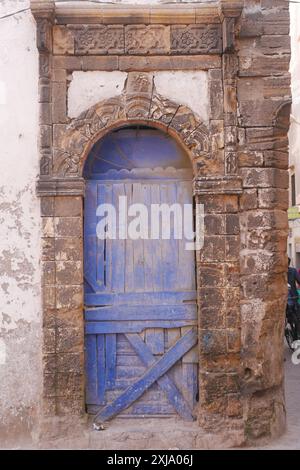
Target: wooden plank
(111,359)
(156,247)
(91,369)
(101,368)
(92,328)
(157,370)
(148,312)
(148,244)
(99,259)
(164,382)
(186,258)
(169,247)
(131,298)
(118,246)
(190,383)
(129,269)
(108,244)
(138,246)
(192,357)
(155,340)
(172,336)
(152,409)
(90,240)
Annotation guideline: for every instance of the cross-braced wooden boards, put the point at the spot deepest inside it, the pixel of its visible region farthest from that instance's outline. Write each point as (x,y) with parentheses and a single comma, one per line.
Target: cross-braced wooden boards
(156,372)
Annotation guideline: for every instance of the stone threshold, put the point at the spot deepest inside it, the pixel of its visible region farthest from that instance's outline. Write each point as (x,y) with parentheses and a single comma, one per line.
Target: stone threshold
(136,434)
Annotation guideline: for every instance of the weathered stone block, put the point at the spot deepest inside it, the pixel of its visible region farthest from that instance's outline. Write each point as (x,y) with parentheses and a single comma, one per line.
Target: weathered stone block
(48,273)
(210,275)
(59,102)
(47,206)
(262,66)
(69,272)
(269,198)
(151,39)
(48,249)
(70,362)
(44,90)
(264,178)
(211,297)
(232,224)
(250,159)
(216,93)
(232,248)
(212,342)
(68,206)
(48,227)
(194,39)
(63,40)
(70,297)
(68,226)
(99,39)
(211,318)
(156,63)
(214,224)
(249,200)
(214,248)
(49,297)
(69,340)
(68,249)
(102,63)
(276,159)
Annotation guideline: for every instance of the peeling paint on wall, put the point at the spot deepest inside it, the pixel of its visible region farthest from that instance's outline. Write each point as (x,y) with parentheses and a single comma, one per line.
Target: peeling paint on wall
(20,292)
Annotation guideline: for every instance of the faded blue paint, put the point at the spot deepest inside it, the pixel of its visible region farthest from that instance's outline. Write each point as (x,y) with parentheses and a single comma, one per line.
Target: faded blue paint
(140,298)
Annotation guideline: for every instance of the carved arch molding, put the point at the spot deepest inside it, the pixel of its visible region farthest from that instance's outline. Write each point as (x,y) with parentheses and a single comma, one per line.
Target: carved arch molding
(138,103)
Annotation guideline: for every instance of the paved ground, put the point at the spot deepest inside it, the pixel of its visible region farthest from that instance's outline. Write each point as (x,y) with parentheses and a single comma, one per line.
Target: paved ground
(138,435)
(291,439)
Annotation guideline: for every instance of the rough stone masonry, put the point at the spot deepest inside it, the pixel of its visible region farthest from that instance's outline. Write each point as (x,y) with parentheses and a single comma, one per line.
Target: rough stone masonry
(238,55)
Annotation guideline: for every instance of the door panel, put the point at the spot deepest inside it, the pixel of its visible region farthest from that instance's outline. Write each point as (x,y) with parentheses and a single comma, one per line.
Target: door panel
(140,311)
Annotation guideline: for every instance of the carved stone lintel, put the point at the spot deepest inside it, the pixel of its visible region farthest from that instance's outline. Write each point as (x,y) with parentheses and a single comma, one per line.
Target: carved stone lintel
(196,39)
(217,185)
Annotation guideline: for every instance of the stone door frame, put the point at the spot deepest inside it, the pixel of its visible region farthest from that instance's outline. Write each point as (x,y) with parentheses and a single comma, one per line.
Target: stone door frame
(64,146)
(191,38)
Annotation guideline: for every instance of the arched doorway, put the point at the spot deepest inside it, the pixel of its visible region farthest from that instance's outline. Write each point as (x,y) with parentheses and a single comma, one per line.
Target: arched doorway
(140,292)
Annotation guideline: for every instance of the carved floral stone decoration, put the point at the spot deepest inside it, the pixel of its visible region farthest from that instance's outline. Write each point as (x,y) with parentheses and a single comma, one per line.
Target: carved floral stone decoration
(138,102)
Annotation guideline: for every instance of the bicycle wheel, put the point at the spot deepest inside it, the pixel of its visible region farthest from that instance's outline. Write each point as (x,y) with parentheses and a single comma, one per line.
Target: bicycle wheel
(289,335)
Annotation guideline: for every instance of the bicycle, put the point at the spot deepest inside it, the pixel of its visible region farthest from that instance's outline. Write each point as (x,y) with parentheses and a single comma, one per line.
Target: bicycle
(291,322)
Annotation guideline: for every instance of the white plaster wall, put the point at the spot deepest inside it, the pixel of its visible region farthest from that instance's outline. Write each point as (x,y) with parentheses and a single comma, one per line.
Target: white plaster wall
(88,88)
(20,296)
(189,88)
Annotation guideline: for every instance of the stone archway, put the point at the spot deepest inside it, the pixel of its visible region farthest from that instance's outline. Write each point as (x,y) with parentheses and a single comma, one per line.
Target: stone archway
(139,102)
(62,198)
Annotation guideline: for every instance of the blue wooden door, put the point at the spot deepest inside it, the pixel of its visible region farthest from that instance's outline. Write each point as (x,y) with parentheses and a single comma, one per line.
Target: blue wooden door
(140,311)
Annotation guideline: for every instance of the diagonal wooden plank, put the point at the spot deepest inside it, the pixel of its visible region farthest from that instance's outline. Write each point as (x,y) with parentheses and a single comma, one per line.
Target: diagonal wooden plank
(134,391)
(93,284)
(165,383)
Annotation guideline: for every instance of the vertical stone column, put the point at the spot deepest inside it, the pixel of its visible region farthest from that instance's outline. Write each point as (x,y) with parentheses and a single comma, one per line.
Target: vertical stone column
(62,253)
(63,302)
(263,88)
(219,309)
(44,17)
